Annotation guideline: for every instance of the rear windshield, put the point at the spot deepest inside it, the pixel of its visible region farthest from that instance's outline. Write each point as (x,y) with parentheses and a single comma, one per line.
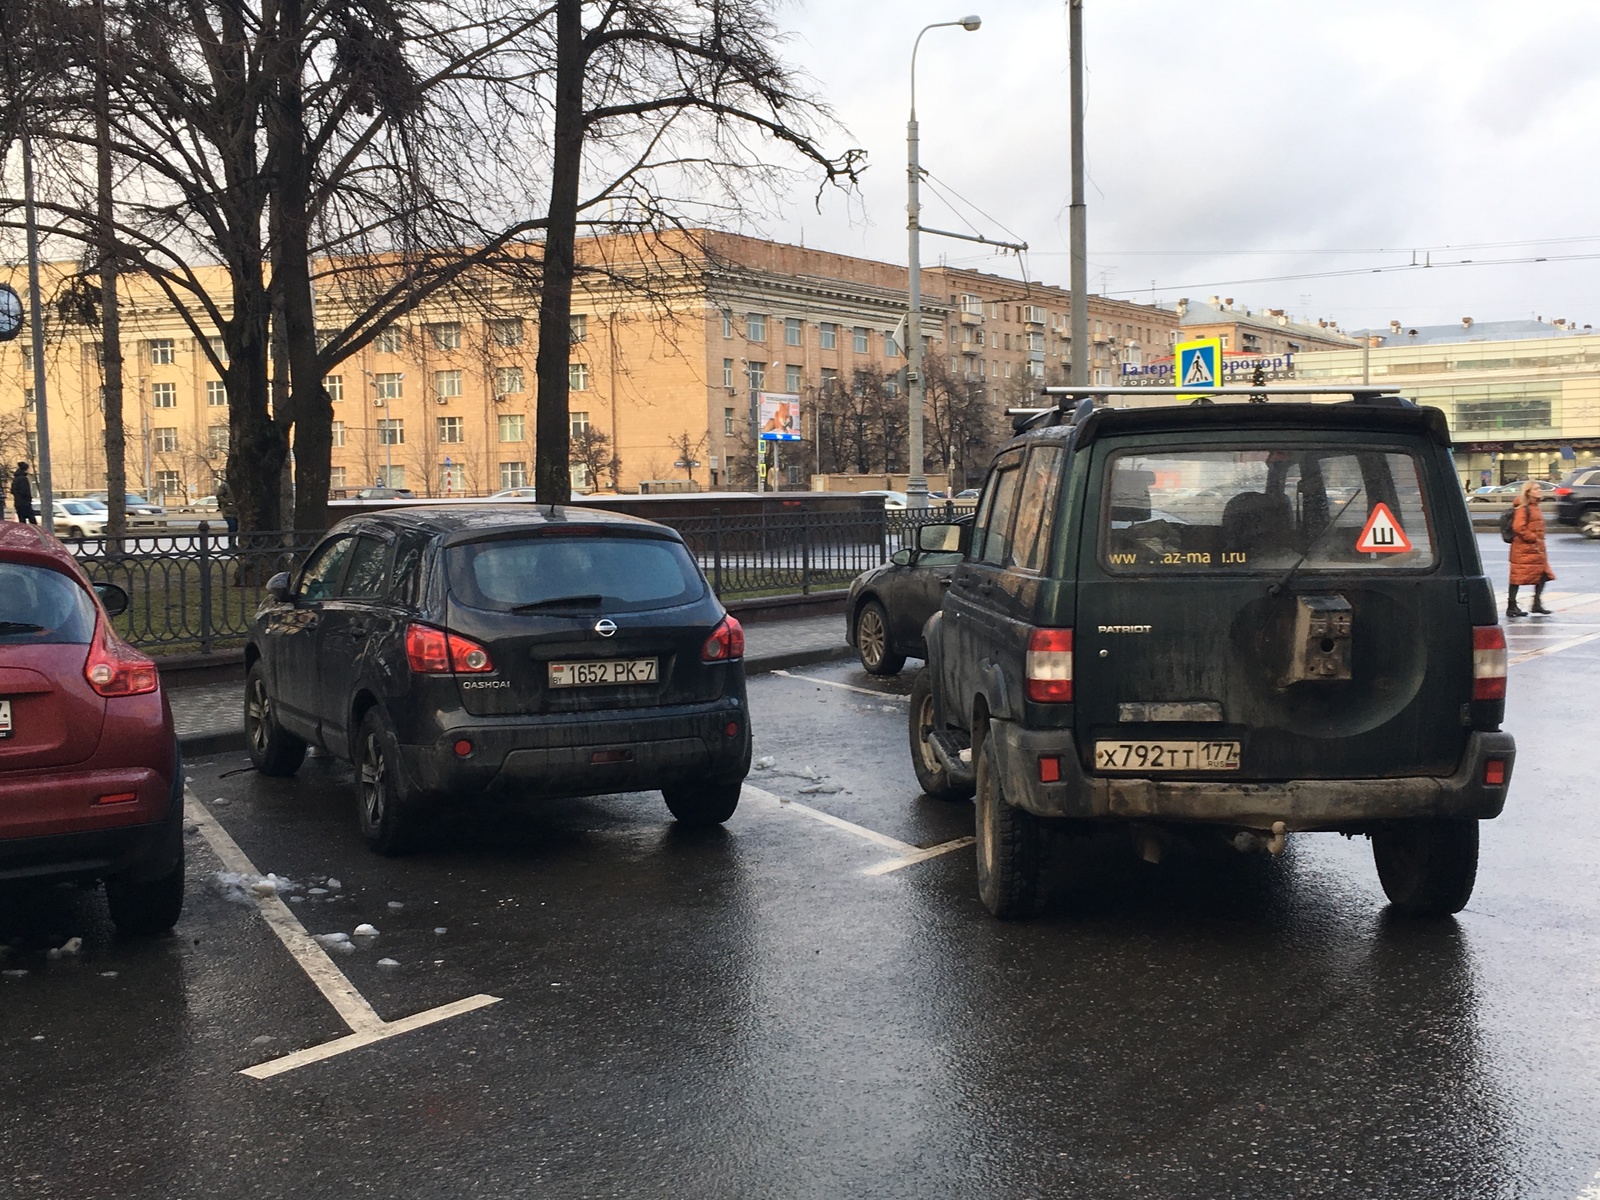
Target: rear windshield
(41,605)
(626,574)
(1259,509)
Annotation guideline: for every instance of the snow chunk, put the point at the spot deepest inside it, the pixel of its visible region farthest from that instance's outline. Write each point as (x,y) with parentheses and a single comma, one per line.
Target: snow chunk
(365,930)
(329,940)
(388,963)
(765,763)
(440,929)
(241,887)
(70,946)
(396,904)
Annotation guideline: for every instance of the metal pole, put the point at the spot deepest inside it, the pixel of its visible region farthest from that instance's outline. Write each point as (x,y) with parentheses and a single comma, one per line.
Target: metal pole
(1079,375)
(36,306)
(917,483)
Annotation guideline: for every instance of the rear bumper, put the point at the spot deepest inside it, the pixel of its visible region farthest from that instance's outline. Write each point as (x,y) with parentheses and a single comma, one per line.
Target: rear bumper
(556,755)
(52,829)
(1301,804)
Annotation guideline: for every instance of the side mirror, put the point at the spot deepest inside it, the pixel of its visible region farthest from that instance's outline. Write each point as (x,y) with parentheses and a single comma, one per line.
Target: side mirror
(113,597)
(278,587)
(934,539)
(901,558)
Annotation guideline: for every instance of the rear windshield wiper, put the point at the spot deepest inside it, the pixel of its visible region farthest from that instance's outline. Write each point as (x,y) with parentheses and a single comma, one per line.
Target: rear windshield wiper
(1312,545)
(589,601)
(19,627)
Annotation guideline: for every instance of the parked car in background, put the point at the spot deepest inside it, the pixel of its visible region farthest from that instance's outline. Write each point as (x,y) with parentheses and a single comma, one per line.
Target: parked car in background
(456,653)
(80,519)
(891,500)
(516,493)
(385,493)
(91,786)
(136,505)
(1578,501)
(888,605)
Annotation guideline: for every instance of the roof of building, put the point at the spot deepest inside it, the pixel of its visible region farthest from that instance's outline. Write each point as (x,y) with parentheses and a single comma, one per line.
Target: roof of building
(1195,312)
(1468,331)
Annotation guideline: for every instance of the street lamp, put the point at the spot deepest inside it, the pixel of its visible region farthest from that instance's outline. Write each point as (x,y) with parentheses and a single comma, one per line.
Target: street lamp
(917,484)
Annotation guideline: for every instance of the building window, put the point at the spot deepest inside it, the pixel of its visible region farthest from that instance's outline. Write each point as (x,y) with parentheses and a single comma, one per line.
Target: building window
(513,474)
(389,341)
(219,348)
(164,439)
(452,478)
(27,358)
(830,379)
(387,384)
(325,338)
(727,422)
(580,422)
(1036,341)
(507,331)
(507,381)
(579,474)
(446,335)
(791,331)
(727,372)
(972,305)
(1035,369)
(891,348)
(791,378)
(578,377)
(217,437)
(336,479)
(578,324)
(161,352)
(32,405)
(391,431)
(755,327)
(447,384)
(513,427)
(334,385)
(1033,314)
(164,395)
(828,335)
(758,377)
(859,339)
(727,324)
(450,429)
(168,483)
(394,477)
(336,434)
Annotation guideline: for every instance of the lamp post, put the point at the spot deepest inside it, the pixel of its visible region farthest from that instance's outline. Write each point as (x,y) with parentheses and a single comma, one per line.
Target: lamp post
(917,484)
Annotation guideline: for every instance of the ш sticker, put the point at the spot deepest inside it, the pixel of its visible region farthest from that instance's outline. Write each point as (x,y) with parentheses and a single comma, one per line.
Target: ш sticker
(1382,534)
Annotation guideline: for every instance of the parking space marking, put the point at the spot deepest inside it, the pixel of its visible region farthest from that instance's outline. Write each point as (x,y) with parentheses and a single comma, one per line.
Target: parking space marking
(365,1024)
(906,854)
(1556,648)
(849,687)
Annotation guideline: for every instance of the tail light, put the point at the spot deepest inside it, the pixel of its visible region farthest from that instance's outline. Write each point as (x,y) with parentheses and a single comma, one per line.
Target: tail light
(117,669)
(432,651)
(1049,666)
(726,642)
(1563,491)
(1488,662)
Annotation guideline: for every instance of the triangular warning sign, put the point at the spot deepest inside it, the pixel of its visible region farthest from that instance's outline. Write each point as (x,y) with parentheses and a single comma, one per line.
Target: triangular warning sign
(1382,534)
(1197,374)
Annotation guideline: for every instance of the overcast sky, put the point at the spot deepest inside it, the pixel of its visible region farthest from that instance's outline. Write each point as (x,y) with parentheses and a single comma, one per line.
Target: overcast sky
(1233,143)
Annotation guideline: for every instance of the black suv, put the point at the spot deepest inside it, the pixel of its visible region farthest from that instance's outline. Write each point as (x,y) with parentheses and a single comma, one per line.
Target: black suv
(1252,619)
(451,652)
(1578,501)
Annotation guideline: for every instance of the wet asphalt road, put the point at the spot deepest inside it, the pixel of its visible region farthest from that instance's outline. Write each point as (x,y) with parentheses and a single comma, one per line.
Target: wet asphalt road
(752,1013)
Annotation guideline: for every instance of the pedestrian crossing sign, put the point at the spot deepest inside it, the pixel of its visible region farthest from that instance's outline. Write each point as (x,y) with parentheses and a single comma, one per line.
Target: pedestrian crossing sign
(1199,364)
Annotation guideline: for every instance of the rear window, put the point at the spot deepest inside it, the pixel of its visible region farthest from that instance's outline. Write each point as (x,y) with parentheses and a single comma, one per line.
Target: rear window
(41,605)
(626,574)
(1255,508)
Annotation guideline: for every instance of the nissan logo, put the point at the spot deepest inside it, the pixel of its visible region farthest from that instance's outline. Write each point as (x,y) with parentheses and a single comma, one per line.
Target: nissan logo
(605,626)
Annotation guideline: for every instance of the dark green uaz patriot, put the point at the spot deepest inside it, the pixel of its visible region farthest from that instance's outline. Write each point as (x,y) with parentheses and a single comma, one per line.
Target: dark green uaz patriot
(1245,619)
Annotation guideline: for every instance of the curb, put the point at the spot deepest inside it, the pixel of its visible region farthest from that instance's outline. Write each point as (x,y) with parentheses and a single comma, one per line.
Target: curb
(228,741)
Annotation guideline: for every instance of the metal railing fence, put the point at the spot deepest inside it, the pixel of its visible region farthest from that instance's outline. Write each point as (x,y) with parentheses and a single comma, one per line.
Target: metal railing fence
(198,591)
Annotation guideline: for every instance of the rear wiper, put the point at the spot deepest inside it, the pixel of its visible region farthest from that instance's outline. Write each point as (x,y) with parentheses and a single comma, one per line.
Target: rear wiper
(589,601)
(1310,546)
(19,627)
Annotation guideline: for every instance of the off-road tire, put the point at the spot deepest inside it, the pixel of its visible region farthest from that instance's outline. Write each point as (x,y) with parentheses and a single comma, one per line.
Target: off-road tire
(700,805)
(1010,845)
(872,641)
(931,775)
(384,804)
(1427,868)
(146,909)
(273,750)
(1589,522)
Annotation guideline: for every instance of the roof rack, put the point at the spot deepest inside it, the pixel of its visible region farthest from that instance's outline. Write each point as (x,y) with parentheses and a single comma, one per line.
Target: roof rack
(1360,393)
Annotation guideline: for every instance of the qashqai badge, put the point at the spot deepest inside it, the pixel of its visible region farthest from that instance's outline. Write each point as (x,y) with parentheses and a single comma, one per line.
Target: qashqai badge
(605,626)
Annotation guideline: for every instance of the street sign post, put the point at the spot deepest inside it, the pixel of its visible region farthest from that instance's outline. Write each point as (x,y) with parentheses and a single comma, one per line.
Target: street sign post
(1199,364)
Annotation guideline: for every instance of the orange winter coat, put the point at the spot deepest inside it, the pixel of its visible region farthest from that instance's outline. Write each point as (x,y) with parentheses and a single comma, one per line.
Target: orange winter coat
(1529,563)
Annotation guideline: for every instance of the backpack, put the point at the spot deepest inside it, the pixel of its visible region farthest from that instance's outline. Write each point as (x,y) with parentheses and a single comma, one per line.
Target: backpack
(1507,533)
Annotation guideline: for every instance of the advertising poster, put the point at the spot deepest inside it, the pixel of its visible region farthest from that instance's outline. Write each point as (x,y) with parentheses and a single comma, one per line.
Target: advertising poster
(780,417)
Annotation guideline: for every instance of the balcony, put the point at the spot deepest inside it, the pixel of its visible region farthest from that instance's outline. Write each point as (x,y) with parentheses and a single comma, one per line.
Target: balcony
(970,318)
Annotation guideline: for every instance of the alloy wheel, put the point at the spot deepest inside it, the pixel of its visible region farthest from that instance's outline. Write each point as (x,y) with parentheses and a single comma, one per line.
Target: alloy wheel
(257,715)
(373,770)
(871,636)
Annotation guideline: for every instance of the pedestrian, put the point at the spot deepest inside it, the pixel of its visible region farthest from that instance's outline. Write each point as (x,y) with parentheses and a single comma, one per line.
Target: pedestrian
(22,495)
(227,505)
(1529,563)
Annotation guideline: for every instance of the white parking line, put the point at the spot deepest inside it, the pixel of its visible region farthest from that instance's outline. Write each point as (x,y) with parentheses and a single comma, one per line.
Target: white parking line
(366,1025)
(1556,648)
(849,687)
(906,854)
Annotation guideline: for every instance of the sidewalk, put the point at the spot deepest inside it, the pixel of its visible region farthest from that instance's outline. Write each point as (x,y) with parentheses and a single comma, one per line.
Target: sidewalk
(210,717)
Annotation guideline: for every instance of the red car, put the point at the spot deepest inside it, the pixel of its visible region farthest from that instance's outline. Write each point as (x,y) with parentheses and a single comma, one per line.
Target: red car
(91,785)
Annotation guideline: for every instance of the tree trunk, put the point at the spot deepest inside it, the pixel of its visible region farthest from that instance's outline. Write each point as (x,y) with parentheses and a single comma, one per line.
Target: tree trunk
(552,431)
(110,310)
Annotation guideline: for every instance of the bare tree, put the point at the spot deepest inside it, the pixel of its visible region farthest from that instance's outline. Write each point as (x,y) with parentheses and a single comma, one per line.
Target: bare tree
(962,421)
(590,449)
(688,448)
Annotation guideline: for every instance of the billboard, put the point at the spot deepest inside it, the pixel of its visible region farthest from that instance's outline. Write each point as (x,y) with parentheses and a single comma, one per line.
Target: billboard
(780,416)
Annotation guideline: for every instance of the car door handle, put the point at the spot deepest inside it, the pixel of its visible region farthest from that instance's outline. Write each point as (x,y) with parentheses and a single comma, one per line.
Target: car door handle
(944,581)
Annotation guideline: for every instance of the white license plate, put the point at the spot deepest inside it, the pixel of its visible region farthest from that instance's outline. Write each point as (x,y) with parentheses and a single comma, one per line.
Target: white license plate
(1166,756)
(5,718)
(606,671)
